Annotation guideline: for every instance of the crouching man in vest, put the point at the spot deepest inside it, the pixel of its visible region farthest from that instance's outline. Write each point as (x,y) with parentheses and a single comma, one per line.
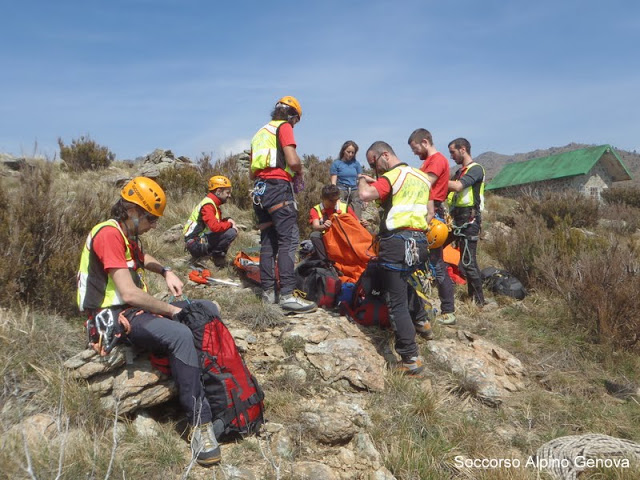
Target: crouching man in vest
(275,169)
(320,217)
(403,194)
(206,233)
(111,285)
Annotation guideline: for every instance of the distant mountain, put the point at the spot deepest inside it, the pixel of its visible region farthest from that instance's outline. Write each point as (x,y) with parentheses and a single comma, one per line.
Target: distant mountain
(493,162)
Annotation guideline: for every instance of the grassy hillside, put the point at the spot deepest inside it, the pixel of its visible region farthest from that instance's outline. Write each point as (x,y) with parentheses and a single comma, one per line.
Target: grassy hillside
(577,333)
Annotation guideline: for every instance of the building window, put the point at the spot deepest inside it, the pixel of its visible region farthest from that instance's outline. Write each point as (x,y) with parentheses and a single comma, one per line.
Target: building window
(594,192)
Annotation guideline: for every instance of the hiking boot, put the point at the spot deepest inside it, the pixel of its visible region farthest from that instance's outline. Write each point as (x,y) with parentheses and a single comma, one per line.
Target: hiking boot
(269,296)
(424,330)
(447,319)
(204,445)
(411,366)
(296,303)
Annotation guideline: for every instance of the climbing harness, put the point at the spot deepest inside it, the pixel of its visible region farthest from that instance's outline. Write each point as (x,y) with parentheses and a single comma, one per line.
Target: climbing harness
(465,257)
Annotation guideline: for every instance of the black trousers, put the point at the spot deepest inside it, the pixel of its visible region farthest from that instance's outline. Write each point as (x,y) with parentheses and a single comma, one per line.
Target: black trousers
(468,243)
(405,306)
(213,243)
(164,336)
(443,281)
(279,241)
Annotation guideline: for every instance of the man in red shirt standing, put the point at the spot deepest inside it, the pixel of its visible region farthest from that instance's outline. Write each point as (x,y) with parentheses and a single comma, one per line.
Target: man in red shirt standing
(206,232)
(436,166)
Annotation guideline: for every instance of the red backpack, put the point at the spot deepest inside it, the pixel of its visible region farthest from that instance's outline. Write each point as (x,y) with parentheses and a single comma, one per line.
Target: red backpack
(233,392)
(368,306)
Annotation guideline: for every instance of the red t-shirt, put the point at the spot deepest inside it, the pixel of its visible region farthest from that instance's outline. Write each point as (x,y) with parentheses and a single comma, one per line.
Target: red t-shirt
(438,165)
(109,247)
(285,135)
(328,212)
(210,216)
(383,187)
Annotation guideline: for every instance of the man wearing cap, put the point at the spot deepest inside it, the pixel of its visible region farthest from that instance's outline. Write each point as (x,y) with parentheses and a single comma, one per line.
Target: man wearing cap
(275,169)
(206,232)
(436,166)
(112,290)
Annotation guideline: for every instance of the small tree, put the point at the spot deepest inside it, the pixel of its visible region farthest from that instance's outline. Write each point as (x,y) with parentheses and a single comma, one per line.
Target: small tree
(85,154)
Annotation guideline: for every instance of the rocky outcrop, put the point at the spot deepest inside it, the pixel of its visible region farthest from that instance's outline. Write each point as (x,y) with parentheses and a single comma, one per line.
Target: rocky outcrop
(124,380)
(335,356)
(160,159)
(486,371)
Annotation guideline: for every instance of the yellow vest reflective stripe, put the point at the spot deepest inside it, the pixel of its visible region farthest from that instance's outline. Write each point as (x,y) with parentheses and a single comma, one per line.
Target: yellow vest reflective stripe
(264,149)
(95,286)
(410,194)
(465,198)
(340,208)
(195,220)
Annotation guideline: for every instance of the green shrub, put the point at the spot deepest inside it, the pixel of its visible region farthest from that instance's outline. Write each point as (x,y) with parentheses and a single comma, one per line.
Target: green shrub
(178,181)
(572,208)
(601,291)
(85,154)
(591,273)
(531,250)
(622,195)
(46,225)
(621,218)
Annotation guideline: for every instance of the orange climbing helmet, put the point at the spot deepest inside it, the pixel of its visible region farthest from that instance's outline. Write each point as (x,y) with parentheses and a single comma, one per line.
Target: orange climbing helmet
(437,234)
(145,193)
(291,102)
(219,181)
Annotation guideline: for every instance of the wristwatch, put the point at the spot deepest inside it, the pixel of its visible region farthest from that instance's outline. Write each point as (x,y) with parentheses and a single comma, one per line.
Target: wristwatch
(165,270)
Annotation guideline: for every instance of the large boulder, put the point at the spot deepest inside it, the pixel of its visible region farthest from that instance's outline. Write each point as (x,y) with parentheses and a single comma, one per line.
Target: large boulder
(159,160)
(487,371)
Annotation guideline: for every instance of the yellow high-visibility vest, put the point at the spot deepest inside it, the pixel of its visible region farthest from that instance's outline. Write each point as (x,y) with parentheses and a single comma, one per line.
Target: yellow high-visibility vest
(264,149)
(410,189)
(195,219)
(96,288)
(340,208)
(465,198)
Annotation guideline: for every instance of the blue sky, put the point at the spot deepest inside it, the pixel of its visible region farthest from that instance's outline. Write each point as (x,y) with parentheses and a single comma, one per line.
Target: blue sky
(203,76)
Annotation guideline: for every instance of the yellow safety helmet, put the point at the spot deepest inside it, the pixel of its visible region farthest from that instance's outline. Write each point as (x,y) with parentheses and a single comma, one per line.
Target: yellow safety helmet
(145,193)
(219,181)
(293,103)
(437,234)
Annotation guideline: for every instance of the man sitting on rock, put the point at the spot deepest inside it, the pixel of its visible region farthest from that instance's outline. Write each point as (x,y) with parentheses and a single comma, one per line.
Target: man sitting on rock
(112,291)
(206,233)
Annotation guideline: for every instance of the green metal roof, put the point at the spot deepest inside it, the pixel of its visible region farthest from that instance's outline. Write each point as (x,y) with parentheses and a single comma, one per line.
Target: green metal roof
(568,164)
